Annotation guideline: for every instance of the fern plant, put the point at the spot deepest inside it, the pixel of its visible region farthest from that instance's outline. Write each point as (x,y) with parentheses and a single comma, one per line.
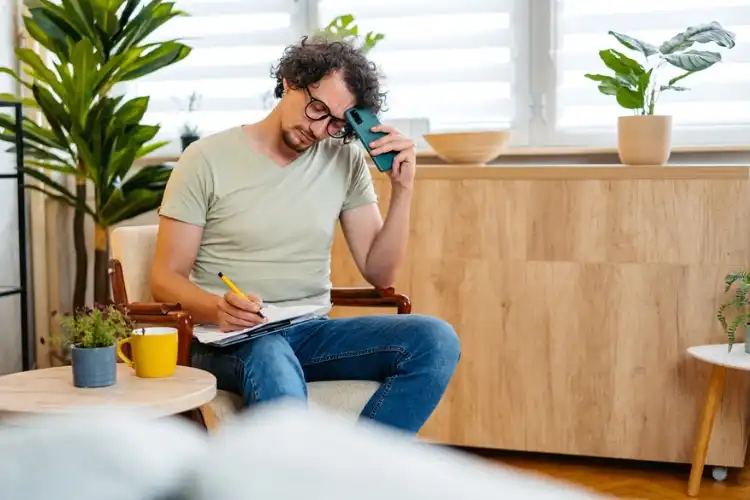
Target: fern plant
(738,305)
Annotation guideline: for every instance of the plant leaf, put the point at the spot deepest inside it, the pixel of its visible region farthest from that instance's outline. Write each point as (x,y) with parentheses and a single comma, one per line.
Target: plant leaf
(680,77)
(15,76)
(644,48)
(32,131)
(119,208)
(166,54)
(150,148)
(58,119)
(630,99)
(27,102)
(672,87)
(703,33)
(53,19)
(45,39)
(620,63)
(693,60)
(58,197)
(50,183)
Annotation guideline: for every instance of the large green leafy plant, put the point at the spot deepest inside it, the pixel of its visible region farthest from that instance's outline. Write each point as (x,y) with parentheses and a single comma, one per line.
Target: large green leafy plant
(88,132)
(637,86)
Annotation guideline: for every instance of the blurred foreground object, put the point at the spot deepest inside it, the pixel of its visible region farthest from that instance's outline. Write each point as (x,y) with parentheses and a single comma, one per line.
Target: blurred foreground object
(279,452)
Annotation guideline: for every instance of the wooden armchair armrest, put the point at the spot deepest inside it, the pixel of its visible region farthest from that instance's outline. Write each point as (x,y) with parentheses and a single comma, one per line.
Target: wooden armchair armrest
(150,308)
(152,314)
(370,297)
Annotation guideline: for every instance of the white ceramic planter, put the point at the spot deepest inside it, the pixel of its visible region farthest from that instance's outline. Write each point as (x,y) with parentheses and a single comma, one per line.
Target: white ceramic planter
(644,140)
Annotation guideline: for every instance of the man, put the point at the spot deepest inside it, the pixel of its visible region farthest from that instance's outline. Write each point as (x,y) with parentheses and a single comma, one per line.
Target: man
(260,203)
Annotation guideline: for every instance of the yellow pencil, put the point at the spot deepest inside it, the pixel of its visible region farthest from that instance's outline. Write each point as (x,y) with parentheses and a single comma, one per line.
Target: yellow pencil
(236,290)
(232,286)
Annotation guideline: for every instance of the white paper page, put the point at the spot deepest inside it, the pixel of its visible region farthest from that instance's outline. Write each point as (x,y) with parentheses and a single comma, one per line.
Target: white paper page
(212,333)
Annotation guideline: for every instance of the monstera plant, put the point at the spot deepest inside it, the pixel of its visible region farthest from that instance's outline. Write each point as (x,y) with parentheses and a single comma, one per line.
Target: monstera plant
(89,132)
(645,138)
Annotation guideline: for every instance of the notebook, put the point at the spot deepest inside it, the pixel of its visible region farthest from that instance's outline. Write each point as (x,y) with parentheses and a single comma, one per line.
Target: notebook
(279,317)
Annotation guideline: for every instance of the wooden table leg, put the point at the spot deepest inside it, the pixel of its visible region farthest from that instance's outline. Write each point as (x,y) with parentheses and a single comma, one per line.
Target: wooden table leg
(210,420)
(710,407)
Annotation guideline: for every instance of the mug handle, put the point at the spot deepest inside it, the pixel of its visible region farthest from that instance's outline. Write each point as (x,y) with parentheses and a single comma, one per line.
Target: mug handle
(121,354)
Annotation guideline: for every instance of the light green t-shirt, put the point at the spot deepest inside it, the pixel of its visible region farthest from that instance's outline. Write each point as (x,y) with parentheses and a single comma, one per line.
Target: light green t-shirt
(268,228)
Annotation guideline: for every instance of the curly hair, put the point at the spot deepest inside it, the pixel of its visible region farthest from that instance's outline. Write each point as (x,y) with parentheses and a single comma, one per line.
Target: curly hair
(310,60)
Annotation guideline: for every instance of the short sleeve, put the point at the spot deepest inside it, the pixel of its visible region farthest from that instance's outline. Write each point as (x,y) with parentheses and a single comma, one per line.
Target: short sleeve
(361,190)
(189,189)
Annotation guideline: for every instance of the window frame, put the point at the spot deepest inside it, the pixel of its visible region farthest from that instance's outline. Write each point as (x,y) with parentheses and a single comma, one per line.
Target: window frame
(544,133)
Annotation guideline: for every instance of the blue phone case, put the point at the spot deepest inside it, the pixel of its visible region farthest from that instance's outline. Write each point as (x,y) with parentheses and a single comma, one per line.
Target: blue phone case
(361,121)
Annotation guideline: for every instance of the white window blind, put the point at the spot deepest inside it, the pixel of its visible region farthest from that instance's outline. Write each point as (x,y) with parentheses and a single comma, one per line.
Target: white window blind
(446,61)
(716,109)
(235,43)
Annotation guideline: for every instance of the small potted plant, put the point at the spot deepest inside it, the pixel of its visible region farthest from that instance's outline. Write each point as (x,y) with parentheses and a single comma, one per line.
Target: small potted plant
(738,305)
(91,335)
(189,135)
(645,138)
(190,132)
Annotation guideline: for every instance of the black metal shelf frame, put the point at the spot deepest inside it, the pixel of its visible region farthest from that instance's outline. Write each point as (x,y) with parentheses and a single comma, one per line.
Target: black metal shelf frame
(22,290)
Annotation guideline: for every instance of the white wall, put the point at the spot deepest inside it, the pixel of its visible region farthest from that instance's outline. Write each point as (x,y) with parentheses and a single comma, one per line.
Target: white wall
(10,317)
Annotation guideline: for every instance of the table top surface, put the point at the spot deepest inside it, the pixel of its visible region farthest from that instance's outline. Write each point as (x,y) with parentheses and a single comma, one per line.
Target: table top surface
(718,354)
(51,390)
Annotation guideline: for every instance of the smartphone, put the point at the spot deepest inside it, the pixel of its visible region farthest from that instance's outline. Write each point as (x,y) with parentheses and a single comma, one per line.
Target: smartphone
(361,121)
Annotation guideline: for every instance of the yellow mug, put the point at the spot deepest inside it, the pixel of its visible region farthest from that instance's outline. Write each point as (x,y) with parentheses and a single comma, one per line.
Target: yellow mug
(154,351)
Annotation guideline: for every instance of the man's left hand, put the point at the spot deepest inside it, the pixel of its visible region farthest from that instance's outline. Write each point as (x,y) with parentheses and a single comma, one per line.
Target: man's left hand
(405,162)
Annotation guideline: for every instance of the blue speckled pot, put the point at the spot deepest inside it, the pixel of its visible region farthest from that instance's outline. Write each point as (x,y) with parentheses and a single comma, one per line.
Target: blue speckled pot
(94,367)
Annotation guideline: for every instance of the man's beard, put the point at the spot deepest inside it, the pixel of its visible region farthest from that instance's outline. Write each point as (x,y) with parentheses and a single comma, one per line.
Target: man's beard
(286,136)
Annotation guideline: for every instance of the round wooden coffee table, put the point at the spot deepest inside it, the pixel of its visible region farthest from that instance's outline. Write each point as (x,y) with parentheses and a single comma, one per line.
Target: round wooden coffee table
(51,390)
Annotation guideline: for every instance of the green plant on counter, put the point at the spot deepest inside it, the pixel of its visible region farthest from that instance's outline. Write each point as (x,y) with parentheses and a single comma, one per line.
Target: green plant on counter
(738,304)
(88,133)
(638,86)
(343,27)
(100,326)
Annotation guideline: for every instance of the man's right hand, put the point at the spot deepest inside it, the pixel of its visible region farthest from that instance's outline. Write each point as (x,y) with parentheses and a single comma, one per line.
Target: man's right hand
(236,313)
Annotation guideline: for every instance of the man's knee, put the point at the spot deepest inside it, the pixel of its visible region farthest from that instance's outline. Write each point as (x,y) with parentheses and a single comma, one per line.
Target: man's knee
(436,341)
(272,371)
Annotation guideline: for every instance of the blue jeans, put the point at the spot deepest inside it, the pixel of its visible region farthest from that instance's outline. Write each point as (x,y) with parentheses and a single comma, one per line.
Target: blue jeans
(413,357)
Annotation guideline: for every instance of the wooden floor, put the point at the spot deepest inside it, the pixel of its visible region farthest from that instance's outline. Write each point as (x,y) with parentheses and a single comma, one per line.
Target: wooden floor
(625,479)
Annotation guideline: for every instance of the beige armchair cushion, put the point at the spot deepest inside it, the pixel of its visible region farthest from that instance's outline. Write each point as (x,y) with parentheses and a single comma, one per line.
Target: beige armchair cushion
(134,247)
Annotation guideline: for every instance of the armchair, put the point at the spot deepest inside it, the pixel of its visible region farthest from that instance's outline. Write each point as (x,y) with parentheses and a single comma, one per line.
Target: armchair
(132,254)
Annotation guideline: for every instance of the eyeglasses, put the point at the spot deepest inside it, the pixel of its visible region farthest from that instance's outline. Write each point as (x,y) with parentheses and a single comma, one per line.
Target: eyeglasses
(317,110)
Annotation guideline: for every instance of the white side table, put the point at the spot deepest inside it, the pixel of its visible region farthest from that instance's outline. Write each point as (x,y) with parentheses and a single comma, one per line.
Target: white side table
(721,359)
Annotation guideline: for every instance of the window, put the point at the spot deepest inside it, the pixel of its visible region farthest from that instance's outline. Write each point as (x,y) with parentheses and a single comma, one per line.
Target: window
(235,43)
(716,109)
(444,60)
(467,64)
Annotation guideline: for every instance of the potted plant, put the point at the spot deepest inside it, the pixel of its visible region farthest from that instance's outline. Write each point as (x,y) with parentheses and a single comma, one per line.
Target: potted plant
(738,304)
(190,132)
(645,138)
(189,135)
(90,50)
(91,334)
